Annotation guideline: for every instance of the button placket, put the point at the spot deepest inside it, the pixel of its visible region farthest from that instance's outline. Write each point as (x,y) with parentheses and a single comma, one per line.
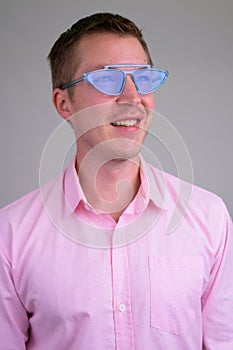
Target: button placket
(122,299)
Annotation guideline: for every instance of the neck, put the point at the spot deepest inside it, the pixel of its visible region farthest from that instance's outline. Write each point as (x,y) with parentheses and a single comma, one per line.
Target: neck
(111,186)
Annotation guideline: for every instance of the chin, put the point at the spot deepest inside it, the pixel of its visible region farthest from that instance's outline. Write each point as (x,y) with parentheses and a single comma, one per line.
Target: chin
(125,153)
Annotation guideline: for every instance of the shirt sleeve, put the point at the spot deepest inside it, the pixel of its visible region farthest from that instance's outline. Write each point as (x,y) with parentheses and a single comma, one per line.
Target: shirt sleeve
(13,316)
(218,296)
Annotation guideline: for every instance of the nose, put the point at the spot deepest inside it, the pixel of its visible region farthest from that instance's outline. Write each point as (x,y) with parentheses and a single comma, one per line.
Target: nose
(129,93)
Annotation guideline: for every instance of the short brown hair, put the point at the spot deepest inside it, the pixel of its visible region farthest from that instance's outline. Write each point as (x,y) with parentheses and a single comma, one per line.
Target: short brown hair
(60,57)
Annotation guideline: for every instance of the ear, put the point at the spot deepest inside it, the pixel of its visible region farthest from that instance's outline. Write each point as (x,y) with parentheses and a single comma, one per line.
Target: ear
(61,103)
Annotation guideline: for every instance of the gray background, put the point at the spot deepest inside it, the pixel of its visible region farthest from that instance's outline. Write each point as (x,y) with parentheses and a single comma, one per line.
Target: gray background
(191,39)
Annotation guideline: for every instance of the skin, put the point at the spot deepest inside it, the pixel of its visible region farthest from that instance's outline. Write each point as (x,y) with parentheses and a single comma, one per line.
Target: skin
(107,156)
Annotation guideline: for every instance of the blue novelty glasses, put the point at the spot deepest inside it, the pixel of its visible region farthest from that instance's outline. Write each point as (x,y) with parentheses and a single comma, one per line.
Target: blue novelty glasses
(111,80)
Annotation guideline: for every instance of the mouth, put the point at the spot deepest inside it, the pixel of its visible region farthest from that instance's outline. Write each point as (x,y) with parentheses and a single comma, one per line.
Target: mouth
(127,122)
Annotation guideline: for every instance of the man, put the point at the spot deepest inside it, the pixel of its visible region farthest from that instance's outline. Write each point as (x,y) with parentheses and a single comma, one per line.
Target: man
(86,261)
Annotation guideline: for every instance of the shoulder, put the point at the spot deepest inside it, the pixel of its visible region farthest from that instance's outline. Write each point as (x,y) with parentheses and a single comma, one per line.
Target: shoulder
(199,203)
(28,207)
(21,205)
(26,220)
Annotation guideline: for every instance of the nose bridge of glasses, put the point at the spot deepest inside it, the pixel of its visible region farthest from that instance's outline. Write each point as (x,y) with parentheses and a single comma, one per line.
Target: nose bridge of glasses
(130,74)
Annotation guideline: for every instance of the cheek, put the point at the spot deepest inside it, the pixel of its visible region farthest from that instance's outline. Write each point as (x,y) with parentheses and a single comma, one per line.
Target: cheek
(148,102)
(87,97)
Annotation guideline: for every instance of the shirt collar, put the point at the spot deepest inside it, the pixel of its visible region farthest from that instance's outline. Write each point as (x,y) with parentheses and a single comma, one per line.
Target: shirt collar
(72,189)
(152,186)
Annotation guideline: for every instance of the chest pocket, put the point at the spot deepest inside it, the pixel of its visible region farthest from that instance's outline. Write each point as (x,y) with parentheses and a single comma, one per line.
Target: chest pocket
(175,292)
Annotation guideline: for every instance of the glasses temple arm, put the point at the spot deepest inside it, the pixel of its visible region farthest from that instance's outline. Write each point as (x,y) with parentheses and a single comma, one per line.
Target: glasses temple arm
(71,83)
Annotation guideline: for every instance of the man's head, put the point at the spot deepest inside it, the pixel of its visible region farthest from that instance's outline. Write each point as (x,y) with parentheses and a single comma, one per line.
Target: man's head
(114,47)
(63,56)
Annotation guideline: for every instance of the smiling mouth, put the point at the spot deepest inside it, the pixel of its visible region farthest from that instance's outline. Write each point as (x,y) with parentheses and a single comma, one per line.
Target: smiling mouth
(131,122)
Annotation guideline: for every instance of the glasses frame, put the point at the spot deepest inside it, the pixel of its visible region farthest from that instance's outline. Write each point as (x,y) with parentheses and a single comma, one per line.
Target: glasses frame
(125,72)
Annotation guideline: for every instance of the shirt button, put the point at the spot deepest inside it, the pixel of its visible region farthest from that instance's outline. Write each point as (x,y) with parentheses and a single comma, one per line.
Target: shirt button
(122,307)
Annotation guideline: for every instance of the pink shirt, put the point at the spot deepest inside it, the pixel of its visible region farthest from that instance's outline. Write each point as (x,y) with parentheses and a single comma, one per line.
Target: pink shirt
(73,279)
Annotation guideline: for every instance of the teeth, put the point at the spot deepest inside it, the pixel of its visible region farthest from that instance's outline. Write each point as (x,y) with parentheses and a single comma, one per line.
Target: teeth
(125,123)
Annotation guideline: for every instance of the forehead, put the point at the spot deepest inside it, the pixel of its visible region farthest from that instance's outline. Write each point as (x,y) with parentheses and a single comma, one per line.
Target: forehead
(97,50)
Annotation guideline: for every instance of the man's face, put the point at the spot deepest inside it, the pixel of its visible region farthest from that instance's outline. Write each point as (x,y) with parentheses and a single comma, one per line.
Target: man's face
(130,110)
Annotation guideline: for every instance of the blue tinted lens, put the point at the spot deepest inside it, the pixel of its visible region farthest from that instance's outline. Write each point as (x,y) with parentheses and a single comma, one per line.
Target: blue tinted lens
(107,81)
(149,79)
